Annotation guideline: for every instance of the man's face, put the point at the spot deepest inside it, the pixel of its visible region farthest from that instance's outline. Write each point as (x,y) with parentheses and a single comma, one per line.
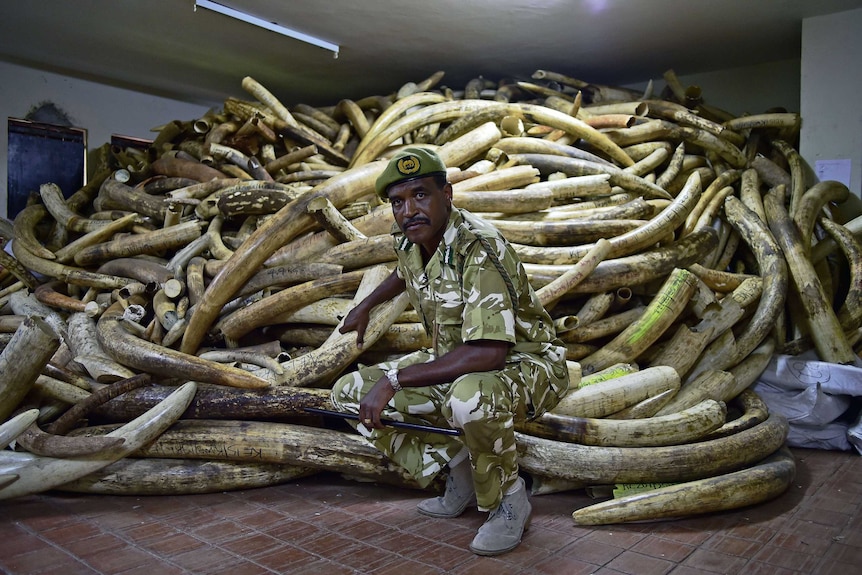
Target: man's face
(421,210)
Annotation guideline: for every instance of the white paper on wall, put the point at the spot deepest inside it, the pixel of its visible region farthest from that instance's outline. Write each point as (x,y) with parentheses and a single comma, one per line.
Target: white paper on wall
(837,170)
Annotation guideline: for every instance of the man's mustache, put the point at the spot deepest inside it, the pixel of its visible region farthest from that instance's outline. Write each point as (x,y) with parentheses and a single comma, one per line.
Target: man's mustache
(416,220)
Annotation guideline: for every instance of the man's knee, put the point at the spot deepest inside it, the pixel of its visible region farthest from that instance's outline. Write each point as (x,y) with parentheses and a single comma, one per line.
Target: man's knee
(347,389)
(476,396)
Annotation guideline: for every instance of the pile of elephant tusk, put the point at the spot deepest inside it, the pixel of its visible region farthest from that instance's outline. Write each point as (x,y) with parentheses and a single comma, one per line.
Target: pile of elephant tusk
(164,327)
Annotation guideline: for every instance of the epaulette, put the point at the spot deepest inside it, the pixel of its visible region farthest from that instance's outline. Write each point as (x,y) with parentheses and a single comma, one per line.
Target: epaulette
(449,256)
(404,244)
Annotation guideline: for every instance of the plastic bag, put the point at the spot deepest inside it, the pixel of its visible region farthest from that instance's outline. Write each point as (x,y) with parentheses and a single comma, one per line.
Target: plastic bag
(814,395)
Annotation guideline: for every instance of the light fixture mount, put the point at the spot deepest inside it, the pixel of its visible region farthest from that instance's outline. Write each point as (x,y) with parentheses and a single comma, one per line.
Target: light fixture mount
(272,26)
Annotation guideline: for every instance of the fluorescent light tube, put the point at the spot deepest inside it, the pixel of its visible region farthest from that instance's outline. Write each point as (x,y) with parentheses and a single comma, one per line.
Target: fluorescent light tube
(261,23)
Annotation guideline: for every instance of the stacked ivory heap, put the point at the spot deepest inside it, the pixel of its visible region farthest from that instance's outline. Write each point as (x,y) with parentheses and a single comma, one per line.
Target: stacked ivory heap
(166,325)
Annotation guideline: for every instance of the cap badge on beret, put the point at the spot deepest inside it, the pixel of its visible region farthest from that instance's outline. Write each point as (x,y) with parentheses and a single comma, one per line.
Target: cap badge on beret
(408,165)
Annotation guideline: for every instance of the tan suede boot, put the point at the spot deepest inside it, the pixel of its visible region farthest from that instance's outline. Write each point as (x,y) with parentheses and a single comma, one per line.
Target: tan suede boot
(505,525)
(458,495)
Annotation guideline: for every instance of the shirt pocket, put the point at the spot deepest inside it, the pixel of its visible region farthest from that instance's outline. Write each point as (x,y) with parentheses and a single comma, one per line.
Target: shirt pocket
(449,315)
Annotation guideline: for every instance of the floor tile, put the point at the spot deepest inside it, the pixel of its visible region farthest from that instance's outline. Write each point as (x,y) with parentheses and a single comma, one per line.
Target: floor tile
(331,525)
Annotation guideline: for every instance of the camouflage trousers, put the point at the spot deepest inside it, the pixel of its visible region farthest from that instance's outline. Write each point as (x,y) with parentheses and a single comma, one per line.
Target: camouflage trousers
(483,405)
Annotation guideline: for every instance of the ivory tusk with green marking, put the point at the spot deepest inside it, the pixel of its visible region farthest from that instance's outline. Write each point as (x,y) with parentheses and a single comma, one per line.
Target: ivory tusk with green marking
(761,482)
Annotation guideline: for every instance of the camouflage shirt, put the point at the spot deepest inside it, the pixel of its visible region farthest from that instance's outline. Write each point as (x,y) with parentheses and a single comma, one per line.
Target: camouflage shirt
(462,296)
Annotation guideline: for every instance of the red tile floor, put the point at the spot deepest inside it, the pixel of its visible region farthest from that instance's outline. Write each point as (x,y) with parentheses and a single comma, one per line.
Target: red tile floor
(326,524)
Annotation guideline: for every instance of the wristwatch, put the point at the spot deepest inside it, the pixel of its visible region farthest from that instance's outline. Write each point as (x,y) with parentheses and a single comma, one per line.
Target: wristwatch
(392,376)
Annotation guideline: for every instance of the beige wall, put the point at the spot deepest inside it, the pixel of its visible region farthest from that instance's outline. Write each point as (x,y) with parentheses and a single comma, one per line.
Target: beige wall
(745,90)
(831,88)
(752,89)
(823,86)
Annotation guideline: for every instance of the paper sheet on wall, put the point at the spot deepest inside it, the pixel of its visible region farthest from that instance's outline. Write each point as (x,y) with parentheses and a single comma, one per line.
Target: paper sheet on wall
(838,170)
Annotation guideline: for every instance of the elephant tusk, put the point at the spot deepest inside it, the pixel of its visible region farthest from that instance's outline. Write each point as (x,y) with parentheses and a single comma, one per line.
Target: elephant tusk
(15,268)
(670,463)
(39,473)
(829,338)
(16,425)
(37,442)
(151,243)
(665,306)
(766,480)
(135,352)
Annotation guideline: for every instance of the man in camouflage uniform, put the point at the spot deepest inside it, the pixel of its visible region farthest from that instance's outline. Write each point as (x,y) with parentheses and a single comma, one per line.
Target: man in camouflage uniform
(495,357)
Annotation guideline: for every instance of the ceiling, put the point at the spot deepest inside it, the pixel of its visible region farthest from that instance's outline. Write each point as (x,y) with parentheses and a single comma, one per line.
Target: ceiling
(167,48)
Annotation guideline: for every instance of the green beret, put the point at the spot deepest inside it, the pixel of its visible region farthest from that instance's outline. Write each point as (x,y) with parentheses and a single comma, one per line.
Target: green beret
(409,164)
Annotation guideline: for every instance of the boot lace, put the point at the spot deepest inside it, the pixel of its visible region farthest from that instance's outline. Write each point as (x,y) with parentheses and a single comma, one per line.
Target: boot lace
(505,510)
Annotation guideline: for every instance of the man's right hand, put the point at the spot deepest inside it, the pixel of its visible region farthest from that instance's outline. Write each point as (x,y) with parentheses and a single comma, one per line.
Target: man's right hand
(356,320)
(358,317)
